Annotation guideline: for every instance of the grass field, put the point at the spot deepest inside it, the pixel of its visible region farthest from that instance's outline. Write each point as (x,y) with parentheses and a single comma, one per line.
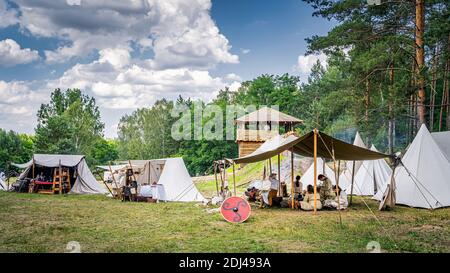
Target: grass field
(42,223)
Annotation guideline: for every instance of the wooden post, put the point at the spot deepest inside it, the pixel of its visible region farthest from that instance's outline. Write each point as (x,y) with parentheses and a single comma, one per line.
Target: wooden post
(292,177)
(215,177)
(104,182)
(60,179)
(114,180)
(234,180)
(279,177)
(315,171)
(336,175)
(270,166)
(353,180)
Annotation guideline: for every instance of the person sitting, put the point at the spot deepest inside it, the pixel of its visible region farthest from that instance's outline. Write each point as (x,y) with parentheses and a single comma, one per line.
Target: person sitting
(298,188)
(340,202)
(308,200)
(251,194)
(326,190)
(274,185)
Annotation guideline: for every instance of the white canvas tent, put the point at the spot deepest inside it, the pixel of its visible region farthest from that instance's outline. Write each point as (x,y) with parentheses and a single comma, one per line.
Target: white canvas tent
(3,186)
(372,174)
(345,178)
(171,175)
(442,139)
(322,168)
(85,182)
(423,180)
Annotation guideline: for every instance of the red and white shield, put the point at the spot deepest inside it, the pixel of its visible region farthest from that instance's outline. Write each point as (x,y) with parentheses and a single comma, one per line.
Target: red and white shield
(235,210)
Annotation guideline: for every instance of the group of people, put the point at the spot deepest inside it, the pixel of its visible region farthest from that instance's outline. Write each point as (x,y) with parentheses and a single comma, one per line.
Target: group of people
(327,195)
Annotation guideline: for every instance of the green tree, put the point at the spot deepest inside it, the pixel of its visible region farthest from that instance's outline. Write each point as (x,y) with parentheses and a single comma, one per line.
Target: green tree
(69,124)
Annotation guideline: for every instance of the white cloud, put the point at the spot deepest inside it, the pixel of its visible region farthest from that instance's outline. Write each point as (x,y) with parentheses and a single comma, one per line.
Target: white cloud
(180,33)
(245,51)
(11,54)
(233,77)
(235,86)
(18,104)
(8,16)
(305,63)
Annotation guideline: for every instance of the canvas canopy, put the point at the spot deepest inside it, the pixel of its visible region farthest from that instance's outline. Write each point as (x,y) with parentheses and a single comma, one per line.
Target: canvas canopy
(304,145)
(372,174)
(442,139)
(345,178)
(85,182)
(422,180)
(171,174)
(322,168)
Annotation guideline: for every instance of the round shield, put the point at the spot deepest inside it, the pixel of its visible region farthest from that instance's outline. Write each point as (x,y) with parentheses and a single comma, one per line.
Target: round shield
(235,210)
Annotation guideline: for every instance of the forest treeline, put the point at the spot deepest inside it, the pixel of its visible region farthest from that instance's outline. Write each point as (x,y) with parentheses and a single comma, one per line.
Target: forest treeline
(387,73)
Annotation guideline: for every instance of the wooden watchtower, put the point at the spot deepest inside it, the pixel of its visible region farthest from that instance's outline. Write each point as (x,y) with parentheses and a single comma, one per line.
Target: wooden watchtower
(255,128)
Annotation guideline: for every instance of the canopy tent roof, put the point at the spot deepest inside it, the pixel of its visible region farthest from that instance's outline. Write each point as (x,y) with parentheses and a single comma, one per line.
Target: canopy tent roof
(422,180)
(113,167)
(442,139)
(304,145)
(266,114)
(52,160)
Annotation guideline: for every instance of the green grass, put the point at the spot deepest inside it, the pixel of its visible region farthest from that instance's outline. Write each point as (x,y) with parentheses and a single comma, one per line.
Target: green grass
(43,223)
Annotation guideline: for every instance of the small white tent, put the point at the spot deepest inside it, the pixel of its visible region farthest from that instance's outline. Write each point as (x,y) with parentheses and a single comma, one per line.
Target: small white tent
(372,174)
(322,168)
(85,182)
(442,139)
(3,186)
(345,178)
(423,180)
(171,175)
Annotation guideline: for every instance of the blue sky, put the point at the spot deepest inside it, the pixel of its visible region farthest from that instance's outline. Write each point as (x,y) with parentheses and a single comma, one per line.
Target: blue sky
(128,54)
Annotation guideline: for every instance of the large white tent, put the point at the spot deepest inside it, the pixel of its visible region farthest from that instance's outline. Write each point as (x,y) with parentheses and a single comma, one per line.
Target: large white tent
(172,177)
(322,168)
(85,182)
(372,174)
(345,178)
(423,180)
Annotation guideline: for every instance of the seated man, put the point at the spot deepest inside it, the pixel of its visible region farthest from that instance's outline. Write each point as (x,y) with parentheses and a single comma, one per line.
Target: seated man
(274,185)
(251,194)
(326,190)
(340,202)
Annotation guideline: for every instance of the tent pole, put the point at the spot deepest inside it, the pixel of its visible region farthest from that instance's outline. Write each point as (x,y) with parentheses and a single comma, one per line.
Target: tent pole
(292,177)
(234,180)
(336,175)
(114,179)
(353,180)
(104,182)
(279,177)
(215,177)
(270,166)
(315,171)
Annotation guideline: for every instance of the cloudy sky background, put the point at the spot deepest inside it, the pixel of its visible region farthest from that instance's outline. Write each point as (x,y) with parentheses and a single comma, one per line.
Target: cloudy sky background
(129,53)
